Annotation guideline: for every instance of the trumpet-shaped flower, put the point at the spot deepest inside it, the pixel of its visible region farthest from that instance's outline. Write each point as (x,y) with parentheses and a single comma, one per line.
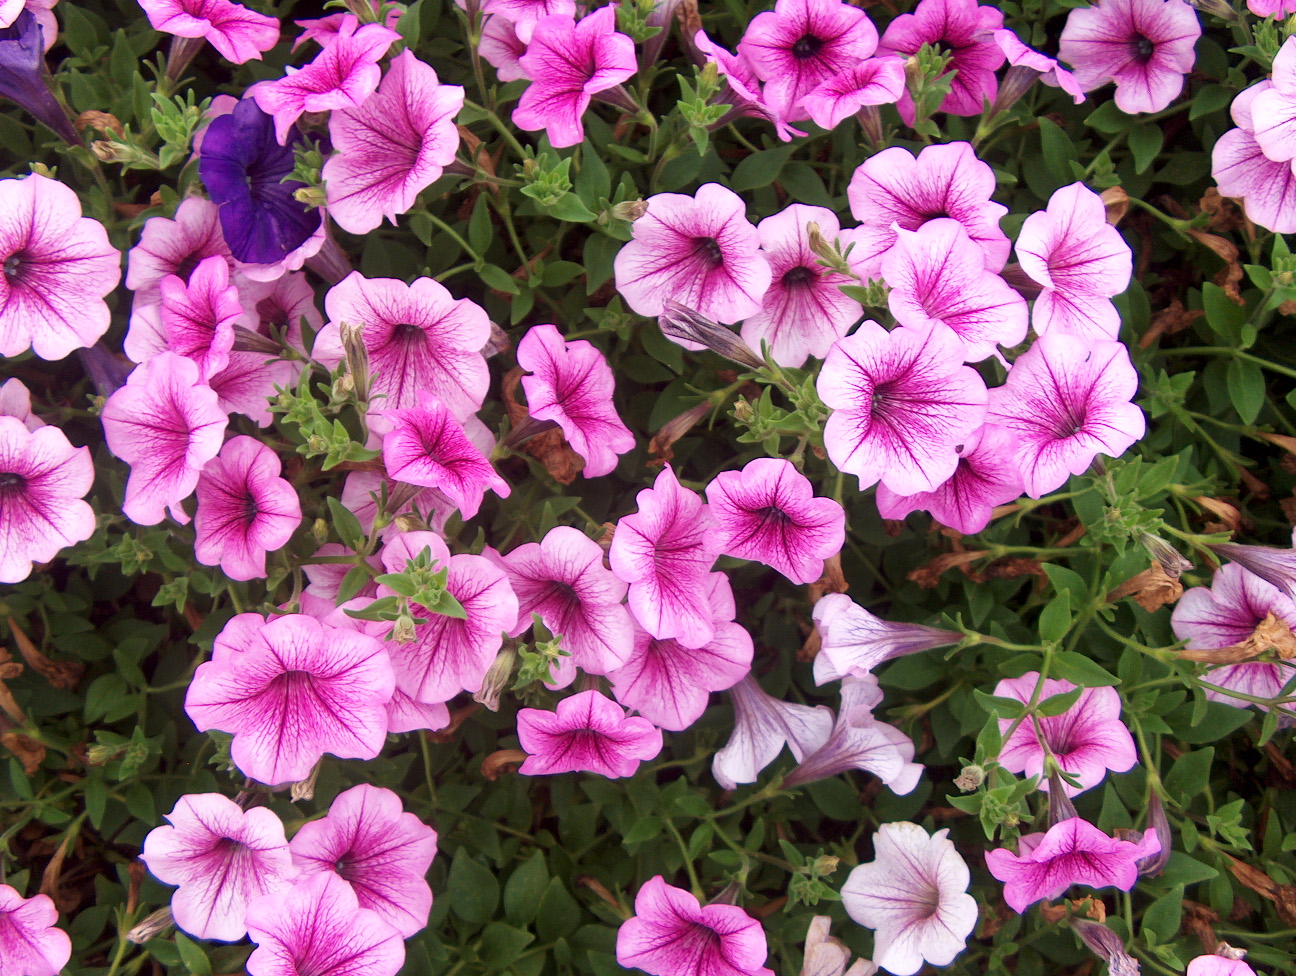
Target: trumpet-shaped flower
(237,34)
(15,401)
(854,641)
(1217,965)
(31,944)
(174,247)
(501,46)
(1275,108)
(874,81)
(222,857)
(194,319)
(525,14)
(1026,65)
(23,74)
(382,852)
(585,733)
(1241,169)
(763,724)
(741,89)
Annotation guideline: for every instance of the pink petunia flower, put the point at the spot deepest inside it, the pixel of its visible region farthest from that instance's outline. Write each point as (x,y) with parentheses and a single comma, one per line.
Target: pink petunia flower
(1026,66)
(237,34)
(671,934)
(222,857)
(938,279)
(393,146)
(829,956)
(768,512)
(571,384)
(742,88)
(1274,113)
(1217,965)
(569,61)
(194,319)
(291,690)
(668,683)
(342,76)
(1080,259)
(1144,46)
(324,30)
(874,81)
(893,189)
(276,308)
(961,28)
(699,250)
(585,733)
(319,927)
(244,509)
(58,266)
(166,424)
(665,551)
(854,641)
(174,247)
(913,894)
(1073,851)
(419,338)
(1067,399)
(382,852)
(1087,740)
(763,724)
(503,49)
(1241,169)
(902,403)
(525,14)
(31,944)
(15,401)
(360,496)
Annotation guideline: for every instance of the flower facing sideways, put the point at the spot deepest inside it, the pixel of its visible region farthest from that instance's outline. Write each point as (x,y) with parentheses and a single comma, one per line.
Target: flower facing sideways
(237,34)
(30,942)
(763,724)
(586,732)
(855,641)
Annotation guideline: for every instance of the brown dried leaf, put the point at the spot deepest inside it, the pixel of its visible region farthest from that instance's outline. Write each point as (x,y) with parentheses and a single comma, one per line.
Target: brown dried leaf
(1116,200)
(28,751)
(550,448)
(60,674)
(101,121)
(810,649)
(928,575)
(1174,318)
(1010,568)
(1282,895)
(675,428)
(1270,633)
(1226,512)
(9,669)
(1224,213)
(502,761)
(1288,444)
(1199,921)
(457,718)
(832,580)
(1152,589)
(1254,485)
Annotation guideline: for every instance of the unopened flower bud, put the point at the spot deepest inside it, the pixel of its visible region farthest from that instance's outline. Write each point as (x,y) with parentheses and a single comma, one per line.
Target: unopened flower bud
(1060,806)
(305,789)
(970,778)
(693,330)
(1229,952)
(404,631)
(1106,945)
(152,926)
(311,196)
(1154,864)
(357,357)
(320,530)
(1170,558)
(497,678)
(410,522)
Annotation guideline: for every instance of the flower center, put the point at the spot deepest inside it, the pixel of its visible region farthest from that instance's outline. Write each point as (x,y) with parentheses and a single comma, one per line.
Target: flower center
(800,275)
(11,483)
(407,334)
(709,249)
(806,47)
(13,266)
(1143,49)
(250,509)
(1069,423)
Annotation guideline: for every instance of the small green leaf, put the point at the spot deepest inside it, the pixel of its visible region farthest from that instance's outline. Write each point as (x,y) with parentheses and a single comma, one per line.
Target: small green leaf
(1145,143)
(1055,619)
(1246,386)
(473,890)
(524,888)
(346,524)
(193,956)
(1080,670)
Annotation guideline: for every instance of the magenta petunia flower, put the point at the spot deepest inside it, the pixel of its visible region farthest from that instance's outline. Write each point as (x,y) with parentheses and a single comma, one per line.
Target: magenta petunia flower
(874,81)
(800,44)
(804,311)
(1067,399)
(503,49)
(1080,259)
(668,683)
(1087,740)
(665,551)
(563,579)
(58,266)
(1026,65)
(319,927)
(1216,965)
(382,852)
(166,424)
(1242,170)
(891,189)
(768,512)
(961,28)
(244,509)
(238,34)
(571,384)
(222,857)
(324,30)
(671,934)
(394,145)
(1144,46)
(699,250)
(174,247)
(741,89)
(342,76)
(913,894)
(902,403)
(938,279)
(525,14)
(292,690)
(194,319)
(31,944)
(987,475)
(1072,852)
(854,641)
(419,338)
(585,733)
(763,724)
(568,62)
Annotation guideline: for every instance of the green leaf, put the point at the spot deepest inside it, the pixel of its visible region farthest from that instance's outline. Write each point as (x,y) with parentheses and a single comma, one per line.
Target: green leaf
(1190,775)
(1107,118)
(569,208)
(1055,619)
(1224,316)
(1080,670)
(559,913)
(346,524)
(473,890)
(1145,143)
(1246,387)
(499,279)
(1058,150)
(760,168)
(524,888)
(1058,704)
(193,956)
(1210,98)
(352,583)
(1161,918)
(480,231)
(500,945)
(1184,870)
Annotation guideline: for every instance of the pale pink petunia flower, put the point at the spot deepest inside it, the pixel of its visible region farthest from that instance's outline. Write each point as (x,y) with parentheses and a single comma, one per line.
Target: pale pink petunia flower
(291,690)
(237,33)
(763,724)
(1087,740)
(382,852)
(58,266)
(913,894)
(1073,851)
(502,48)
(394,145)
(31,944)
(699,250)
(1217,965)
(874,81)
(854,641)
(1241,169)
(222,857)
(671,934)
(319,927)
(585,733)
(166,424)
(1067,399)
(277,308)
(1025,66)
(1144,46)
(15,401)
(248,384)
(407,714)
(194,319)
(360,494)
(174,247)
(343,75)
(571,384)
(1080,260)
(829,956)
(245,509)
(902,402)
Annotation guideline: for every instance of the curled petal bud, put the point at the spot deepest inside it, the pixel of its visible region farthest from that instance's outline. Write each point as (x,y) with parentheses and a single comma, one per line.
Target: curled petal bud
(694,331)
(497,678)
(1170,558)
(1060,806)
(1107,946)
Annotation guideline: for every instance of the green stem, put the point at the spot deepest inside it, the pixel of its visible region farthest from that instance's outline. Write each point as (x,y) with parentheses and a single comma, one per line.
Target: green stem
(688,861)
(1227,351)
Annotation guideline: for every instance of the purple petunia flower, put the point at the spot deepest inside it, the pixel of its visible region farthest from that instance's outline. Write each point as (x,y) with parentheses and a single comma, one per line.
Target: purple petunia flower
(382,852)
(763,724)
(57,267)
(854,641)
(1067,399)
(1144,46)
(237,34)
(699,250)
(586,733)
(23,43)
(913,894)
(222,857)
(874,81)
(194,319)
(671,934)
(1242,170)
(31,944)
(902,403)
